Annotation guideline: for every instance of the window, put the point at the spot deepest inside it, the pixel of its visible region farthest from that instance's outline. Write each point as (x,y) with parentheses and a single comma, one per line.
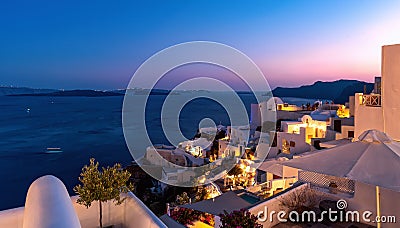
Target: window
(292,144)
(350,134)
(285,146)
(337,126)
(316,144)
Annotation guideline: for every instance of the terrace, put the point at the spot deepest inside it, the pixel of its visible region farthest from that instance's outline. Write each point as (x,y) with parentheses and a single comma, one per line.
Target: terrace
(372,100)
(49,205)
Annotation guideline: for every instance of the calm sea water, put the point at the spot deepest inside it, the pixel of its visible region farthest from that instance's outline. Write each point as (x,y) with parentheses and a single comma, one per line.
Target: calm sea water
(83,127)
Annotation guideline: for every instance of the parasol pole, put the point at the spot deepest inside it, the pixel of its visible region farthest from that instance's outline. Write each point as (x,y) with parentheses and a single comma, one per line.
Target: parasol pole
(378,205)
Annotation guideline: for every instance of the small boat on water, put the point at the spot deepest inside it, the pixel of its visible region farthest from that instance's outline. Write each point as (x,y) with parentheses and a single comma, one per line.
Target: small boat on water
(53,150)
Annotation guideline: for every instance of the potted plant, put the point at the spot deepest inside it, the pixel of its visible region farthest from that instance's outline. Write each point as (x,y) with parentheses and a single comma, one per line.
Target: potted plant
(333,188)
(102,186)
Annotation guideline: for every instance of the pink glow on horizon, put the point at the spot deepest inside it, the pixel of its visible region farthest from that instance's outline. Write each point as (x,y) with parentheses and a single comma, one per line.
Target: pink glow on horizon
(352,54)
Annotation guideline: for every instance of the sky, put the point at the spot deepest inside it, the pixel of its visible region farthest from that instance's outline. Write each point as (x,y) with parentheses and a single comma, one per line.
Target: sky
(100,44)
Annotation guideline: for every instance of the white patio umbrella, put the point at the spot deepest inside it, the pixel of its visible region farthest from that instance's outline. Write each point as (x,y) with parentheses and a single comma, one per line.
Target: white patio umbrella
(373,159)
(229,201)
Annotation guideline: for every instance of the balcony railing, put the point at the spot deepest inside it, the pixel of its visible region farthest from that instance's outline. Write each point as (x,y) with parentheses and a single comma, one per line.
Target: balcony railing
(373,100)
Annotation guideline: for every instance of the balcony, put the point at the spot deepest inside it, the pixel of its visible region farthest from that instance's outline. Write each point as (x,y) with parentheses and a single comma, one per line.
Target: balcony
(373,100)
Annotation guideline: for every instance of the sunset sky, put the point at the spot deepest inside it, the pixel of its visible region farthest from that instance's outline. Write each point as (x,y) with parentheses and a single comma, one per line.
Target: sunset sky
(99,45)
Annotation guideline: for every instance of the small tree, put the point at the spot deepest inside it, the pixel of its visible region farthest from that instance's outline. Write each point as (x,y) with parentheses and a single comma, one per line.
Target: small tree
(102,186)
(300,200)
(201,194)
(182,199)
(235,172)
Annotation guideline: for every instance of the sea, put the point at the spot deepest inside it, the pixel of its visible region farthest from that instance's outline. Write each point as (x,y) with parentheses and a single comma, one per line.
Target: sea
(83,127)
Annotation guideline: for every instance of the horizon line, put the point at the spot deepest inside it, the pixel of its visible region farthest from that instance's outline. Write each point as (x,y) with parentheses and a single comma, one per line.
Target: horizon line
(243,90)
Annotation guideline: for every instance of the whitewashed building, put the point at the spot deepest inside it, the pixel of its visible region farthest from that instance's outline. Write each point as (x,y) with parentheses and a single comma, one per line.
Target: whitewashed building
(381,110)
(296,135)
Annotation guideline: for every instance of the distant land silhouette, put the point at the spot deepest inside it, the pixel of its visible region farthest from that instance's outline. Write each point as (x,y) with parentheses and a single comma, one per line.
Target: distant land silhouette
(9,90)
(337,91)
(72,93)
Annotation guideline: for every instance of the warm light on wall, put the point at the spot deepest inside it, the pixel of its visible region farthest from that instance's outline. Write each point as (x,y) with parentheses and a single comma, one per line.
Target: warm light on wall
(360,98)
(343,112)
(287,107)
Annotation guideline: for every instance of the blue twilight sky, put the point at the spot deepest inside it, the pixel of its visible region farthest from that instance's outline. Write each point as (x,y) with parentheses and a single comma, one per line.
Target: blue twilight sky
(100,44)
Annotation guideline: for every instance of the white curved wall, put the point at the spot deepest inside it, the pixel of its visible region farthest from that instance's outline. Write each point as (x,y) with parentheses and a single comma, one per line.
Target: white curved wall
(48,205)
